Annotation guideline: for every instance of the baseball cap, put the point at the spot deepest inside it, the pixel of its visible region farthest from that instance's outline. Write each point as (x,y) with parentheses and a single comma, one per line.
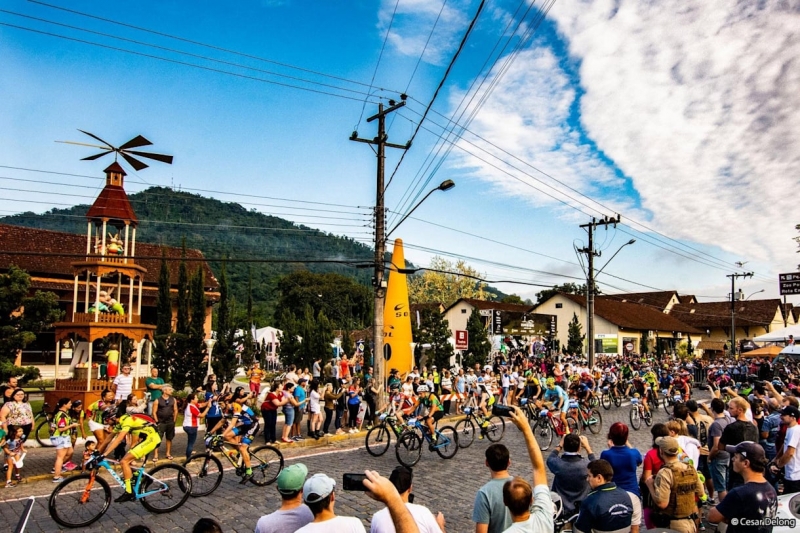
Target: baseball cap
(668,445)
(317,488)
(751,451)
(791,410)
(292,478)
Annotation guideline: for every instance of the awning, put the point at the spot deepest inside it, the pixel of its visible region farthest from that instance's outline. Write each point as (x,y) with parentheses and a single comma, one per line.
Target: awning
(780,335)
(717,346)
(766,351)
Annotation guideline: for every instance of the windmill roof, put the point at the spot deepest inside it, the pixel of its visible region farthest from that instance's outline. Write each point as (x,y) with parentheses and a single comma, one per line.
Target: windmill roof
(19,239)
(113,204)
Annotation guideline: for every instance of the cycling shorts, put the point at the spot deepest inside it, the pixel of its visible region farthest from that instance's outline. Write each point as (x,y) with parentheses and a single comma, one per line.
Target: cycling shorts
(565,406)
(146,446)
(247,433)
(491,401)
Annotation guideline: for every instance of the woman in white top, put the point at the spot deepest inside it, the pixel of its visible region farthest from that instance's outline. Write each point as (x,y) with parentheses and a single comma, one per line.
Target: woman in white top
(315,409)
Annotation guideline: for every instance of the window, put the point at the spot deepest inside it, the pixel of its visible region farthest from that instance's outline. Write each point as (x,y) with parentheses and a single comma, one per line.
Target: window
(463,311)
(559,306)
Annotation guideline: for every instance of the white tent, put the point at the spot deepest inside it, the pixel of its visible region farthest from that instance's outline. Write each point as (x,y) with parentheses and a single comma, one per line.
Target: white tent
(268,336)
(780,335)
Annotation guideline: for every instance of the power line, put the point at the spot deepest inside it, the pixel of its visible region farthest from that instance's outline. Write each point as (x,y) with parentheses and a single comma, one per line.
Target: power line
(377,64)
(439,87)
(183,63)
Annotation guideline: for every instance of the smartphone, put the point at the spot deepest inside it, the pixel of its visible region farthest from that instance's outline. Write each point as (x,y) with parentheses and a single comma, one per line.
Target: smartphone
(354,482)
(502,410)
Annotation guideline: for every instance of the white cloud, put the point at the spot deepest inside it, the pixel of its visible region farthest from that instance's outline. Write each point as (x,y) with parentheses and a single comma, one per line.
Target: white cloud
(414,21)
(698,103)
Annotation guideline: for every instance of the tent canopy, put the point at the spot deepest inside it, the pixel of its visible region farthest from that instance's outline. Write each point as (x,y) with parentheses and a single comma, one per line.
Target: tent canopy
(267,335)
(766,351)
(780,335)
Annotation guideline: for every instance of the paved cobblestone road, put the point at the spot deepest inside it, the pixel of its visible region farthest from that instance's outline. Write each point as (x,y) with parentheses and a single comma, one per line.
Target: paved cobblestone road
(447,486)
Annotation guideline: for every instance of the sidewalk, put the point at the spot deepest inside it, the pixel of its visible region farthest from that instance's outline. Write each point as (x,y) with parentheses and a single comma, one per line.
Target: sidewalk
(39,461)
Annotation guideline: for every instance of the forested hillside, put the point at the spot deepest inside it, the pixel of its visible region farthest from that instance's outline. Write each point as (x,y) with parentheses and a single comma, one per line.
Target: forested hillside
(224,229)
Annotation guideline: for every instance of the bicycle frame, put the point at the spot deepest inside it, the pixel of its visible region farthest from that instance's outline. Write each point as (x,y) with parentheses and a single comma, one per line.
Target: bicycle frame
(106,463)
(419,426)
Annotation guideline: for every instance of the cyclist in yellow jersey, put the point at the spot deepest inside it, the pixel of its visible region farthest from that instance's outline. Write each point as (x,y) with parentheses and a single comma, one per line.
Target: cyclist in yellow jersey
(136,425)
(651,379)
(431,401)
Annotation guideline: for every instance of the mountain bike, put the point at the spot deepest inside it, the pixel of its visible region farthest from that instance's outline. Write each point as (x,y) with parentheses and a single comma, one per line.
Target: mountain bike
(379,437)
(611,394)
(639,413)
(548,423)
(670,401)
(81,500)
(206,468)
(587,417)
(408,449)
(42,422)
(492,427)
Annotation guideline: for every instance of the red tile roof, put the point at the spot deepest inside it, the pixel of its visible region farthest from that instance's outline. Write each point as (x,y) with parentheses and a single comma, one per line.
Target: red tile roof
(718,314)
(633,315)
(113,204)
(72,248)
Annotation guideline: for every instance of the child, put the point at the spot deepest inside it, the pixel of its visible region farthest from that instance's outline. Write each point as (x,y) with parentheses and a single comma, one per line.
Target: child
(14,450)
(89,448)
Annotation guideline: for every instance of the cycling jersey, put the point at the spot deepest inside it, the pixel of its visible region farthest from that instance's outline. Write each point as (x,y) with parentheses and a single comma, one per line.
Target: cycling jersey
(555,394)
(60,421)
(98,410)
(143,427)
(247,425)
(665,383)
(245,418)
(432,402)
(651,378)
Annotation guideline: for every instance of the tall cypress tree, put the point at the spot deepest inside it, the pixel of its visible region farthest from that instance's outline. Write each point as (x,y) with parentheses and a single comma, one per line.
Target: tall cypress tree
(197,332)
(182,325)
(223,356)
(164,304)
(478,347)
(248,350)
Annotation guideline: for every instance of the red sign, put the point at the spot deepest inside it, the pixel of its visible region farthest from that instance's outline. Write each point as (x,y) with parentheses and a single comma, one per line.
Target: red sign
(462,339)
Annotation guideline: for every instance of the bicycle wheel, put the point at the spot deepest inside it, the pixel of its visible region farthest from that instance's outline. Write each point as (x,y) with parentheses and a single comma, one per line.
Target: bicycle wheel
(595,421)
(267,463)
(206,472)
(466,432)
(667,405)
(408,449)
(618,399)
(594,402)
(494,431)
(573,425)
(78,501)
(447,443)
(543,433)
(173,483)
(636,421)
(43,433)
(648,419)
(377,440)
(606,401)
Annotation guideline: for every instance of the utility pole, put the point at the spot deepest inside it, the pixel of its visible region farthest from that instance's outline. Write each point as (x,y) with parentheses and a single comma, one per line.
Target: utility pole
(733,306)
(590,288)
(378,282)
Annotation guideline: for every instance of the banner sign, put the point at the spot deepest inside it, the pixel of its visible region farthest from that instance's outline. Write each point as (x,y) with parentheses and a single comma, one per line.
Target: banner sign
(789,283)
(497,323)
(462,339)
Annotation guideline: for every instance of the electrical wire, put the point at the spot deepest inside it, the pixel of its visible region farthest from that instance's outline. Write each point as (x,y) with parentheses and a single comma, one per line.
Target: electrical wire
(377,64)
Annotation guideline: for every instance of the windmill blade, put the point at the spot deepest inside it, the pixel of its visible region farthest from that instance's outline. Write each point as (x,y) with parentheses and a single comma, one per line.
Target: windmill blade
(135,163)
(85,144)
(96,156)
(158,157)
(92,135)
(135,143)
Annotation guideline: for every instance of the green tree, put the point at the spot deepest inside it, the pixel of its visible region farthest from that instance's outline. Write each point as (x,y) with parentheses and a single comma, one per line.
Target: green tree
(197,330)
(247,342)
(182,325)
(224,358)
(568,288)
(345,302)
(512,299)
(18,330)
(575,337)
(347,343)
(434,330)
(644,346)
(445,282)
(162,358)
(290,345)
(479,345)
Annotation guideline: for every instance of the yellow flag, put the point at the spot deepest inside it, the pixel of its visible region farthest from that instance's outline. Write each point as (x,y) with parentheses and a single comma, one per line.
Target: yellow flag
(397,316)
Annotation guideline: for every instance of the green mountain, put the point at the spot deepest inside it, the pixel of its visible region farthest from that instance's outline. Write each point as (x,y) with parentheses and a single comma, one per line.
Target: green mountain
(259,247)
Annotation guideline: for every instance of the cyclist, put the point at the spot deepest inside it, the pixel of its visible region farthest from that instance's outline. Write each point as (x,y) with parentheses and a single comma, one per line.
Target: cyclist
(430,401)
(651,379)
(135,425)
(533,390)
(665,383)
(558,397)
(586,388)
(242,431)
(487,399)
(683,385)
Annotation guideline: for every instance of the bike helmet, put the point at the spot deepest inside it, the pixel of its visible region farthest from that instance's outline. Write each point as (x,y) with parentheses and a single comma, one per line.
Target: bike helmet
(573,377)
(422,388)
(585,375)
(550,382)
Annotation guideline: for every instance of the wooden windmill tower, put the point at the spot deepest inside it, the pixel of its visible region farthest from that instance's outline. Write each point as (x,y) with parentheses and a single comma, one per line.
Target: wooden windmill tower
(107,290)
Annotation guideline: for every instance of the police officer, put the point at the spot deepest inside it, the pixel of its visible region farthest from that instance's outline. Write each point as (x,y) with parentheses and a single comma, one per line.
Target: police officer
(674,488)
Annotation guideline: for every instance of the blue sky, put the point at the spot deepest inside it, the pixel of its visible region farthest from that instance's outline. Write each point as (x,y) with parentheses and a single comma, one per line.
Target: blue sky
(679,116)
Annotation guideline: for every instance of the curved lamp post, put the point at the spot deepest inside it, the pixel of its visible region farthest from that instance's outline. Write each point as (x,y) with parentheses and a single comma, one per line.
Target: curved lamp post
(210,347)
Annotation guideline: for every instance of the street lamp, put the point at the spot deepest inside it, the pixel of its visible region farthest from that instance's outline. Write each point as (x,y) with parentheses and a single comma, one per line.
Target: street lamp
(757,292)
(210,348)
(590,301)
(446,185)
(379,283)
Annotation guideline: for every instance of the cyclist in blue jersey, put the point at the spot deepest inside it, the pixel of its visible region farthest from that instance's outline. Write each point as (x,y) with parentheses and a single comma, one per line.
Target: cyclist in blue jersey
(242,431)
(559,398)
